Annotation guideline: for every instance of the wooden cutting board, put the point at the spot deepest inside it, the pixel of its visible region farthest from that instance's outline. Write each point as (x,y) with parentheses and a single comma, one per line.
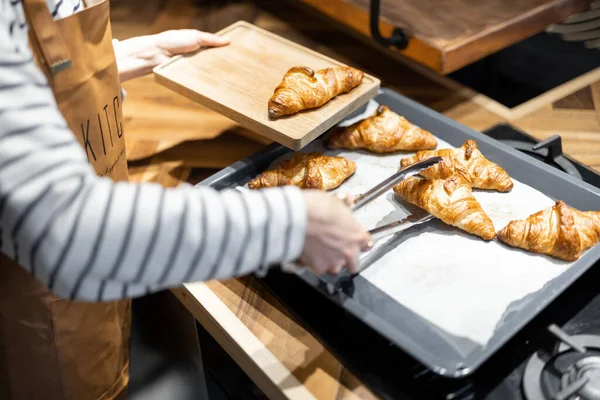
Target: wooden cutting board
(237,81)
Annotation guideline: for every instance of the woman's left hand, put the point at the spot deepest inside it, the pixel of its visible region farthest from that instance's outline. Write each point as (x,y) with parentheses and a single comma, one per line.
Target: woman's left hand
(139,55)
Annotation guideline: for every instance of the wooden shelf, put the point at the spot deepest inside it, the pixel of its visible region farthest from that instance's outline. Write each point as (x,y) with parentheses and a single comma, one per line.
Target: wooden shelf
(448,35)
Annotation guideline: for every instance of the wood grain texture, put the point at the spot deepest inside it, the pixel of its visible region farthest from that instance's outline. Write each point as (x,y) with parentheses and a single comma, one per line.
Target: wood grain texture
(247,350)
(217,153)
(595,88)
(447,35)
(309,362)
(237,81)
(580,100)
(218,140)
(155,115)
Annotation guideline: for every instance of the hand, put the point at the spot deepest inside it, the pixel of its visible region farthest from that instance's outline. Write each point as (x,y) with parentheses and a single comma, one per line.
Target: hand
(333,236)
(139,55)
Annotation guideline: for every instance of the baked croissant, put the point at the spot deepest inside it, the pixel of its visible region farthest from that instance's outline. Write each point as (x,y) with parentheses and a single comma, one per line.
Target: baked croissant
(466,161)
(451,200)
(383,132)
(307,171)
(558,231)
(302,88)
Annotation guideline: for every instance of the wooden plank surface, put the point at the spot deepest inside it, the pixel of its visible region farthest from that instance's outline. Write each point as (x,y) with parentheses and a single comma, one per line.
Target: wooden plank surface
(448,35)
(299,360)
(237,81)
(261,365)
(148,125)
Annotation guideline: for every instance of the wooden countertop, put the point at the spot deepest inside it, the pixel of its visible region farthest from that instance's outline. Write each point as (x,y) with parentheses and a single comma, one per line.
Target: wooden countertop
(277,352)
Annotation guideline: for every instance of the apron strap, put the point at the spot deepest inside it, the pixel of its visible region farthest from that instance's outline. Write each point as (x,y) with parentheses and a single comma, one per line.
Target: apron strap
(44,31)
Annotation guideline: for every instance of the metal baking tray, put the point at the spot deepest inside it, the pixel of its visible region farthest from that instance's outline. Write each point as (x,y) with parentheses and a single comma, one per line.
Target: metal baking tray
(440,351)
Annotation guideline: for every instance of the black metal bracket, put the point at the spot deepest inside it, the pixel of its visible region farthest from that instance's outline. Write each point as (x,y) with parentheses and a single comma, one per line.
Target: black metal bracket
(554,146)
(399,38)
(554,153)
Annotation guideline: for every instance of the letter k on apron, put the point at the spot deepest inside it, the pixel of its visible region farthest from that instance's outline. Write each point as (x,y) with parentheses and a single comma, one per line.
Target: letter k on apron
(52,348)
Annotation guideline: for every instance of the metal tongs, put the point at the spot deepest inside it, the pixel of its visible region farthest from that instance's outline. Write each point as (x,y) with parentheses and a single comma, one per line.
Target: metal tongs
(396,226)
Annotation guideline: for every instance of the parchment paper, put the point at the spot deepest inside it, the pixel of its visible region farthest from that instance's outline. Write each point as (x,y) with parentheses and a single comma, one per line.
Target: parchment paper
(456,281)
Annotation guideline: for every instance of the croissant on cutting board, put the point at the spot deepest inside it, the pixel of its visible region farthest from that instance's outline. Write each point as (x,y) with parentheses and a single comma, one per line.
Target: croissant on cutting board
(383,132)
(559,231)
(451,200)
(307,171)
(302,88)
(466,161)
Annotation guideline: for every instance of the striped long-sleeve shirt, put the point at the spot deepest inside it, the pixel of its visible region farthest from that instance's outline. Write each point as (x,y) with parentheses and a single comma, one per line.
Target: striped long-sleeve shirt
(89,238)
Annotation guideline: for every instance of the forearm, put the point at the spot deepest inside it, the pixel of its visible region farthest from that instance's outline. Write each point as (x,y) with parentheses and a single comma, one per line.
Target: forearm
(89,238)
(139,55)
(104,241)
(134,57)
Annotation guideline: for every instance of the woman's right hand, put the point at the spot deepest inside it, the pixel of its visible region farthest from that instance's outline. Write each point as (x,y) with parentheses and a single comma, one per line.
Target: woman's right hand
(334,238)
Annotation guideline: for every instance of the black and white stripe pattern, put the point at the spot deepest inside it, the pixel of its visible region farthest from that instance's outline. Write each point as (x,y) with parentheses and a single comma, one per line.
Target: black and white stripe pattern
(89,238)
(17,25)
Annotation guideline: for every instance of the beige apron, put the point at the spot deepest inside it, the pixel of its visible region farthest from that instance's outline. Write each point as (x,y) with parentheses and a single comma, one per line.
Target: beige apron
(52,348)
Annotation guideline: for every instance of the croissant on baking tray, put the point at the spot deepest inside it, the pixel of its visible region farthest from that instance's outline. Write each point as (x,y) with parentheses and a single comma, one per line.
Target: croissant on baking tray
(307,171)
(449,199)
(302,88)
(559,231)
(466,161)
(383,132)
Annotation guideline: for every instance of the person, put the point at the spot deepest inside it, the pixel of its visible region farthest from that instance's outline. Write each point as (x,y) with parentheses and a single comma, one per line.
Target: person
(78,241)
